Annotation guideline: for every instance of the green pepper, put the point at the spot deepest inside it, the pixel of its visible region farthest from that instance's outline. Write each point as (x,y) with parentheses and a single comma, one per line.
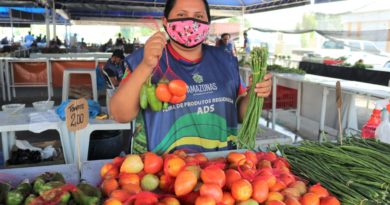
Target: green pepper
(65,198)
(90,190)
(14,197)
(18,195)
(4,189)
(29,199)
(49,186)
(143,97)
(38,184)
(82,199)
(165,105)
(154,103)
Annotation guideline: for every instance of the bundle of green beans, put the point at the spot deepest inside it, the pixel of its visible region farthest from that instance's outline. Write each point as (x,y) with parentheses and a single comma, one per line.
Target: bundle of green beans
(247,134)
(357,172)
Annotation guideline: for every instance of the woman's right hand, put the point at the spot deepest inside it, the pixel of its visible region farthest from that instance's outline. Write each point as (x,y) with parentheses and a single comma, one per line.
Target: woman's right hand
(153,50)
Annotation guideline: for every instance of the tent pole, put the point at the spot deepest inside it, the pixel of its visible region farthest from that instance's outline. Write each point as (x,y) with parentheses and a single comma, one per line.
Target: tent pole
(53,13)
(12,26)
(47,26)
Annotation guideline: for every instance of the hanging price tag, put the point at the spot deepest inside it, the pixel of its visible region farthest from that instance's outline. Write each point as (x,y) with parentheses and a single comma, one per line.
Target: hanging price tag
(77,114)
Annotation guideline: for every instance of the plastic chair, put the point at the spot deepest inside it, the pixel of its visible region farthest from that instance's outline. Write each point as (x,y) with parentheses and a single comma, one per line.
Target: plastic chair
(66,81)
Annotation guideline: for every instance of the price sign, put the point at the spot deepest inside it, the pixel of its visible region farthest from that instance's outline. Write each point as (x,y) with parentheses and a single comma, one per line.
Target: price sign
(77,115)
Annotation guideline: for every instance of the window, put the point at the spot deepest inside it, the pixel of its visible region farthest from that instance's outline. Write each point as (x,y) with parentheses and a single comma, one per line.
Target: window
(355,46)
(369,47)
(333,45)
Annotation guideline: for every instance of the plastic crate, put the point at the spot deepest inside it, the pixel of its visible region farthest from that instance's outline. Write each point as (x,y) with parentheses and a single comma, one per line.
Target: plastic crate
(286,98)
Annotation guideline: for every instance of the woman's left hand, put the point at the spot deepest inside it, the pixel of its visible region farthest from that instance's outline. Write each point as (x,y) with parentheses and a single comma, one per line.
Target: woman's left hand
(263,88)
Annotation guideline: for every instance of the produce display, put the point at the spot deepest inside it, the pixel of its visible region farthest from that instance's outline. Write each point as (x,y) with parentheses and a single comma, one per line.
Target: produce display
(49,188)
(357,172)
(247,178)
(247,134)
(280,69)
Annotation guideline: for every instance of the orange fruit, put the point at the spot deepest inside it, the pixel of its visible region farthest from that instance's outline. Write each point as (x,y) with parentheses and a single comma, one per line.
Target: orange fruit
(109,185)
(234,158)
(292,201)
(300,185)
(112,201)
(201,157)
(241,190)
(260,190)
(213,175)
(319,190)
(264,163)
(204,200)
(125,178)
(329,200)
(310,199)
(120,194)
(152,163)
(275,196)
(185,182)
(287,179)
(278,186)
(212,190)
(170,201)
(117,161)
(275,202)
(232,175)
(227,199)
(173,165)
(132,188)
(166,183)
(251,156)
(132,164)
(109,170)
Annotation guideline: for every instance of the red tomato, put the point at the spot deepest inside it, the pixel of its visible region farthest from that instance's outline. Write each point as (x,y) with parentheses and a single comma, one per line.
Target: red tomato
(185,182)
(213,175)
(319,190)
(212,190)
(260,190)
(329,200)
(163,93)
(152,163)
(177,87)
(175,99)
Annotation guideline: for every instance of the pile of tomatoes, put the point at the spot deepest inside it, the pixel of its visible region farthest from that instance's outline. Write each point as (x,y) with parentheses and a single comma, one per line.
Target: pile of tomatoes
(247,178)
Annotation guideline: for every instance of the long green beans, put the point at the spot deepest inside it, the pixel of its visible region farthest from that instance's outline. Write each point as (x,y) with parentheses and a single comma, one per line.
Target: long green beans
(357,172)
(247,134)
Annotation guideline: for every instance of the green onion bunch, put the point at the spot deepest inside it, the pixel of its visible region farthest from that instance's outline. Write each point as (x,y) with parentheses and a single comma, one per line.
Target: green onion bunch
(357,172)
(247,134)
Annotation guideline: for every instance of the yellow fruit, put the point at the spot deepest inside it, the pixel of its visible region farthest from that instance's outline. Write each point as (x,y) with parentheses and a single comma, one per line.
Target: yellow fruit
(133,164)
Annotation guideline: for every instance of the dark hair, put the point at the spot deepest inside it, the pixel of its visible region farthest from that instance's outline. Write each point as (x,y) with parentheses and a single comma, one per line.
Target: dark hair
(169,4)
(225,34)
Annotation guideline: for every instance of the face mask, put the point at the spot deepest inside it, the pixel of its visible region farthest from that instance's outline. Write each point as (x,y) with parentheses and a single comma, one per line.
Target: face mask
(187,32)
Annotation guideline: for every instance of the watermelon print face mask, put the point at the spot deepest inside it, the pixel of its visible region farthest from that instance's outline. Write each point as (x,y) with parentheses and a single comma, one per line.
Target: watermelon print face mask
(188,32)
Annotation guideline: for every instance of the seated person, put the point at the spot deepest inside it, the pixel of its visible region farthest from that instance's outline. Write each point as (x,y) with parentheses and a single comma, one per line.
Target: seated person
(115,67)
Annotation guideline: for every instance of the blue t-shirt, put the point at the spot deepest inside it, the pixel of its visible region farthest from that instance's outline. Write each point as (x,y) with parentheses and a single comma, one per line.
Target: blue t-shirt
(207,119)
(227,47)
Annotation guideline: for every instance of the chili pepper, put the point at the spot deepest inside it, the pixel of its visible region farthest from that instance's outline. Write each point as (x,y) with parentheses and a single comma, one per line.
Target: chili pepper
(29,199)
(154,103)
(4,189)
(143,97)
(165,105)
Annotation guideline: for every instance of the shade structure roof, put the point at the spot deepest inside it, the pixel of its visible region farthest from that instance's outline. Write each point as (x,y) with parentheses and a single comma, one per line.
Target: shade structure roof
(135,9)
